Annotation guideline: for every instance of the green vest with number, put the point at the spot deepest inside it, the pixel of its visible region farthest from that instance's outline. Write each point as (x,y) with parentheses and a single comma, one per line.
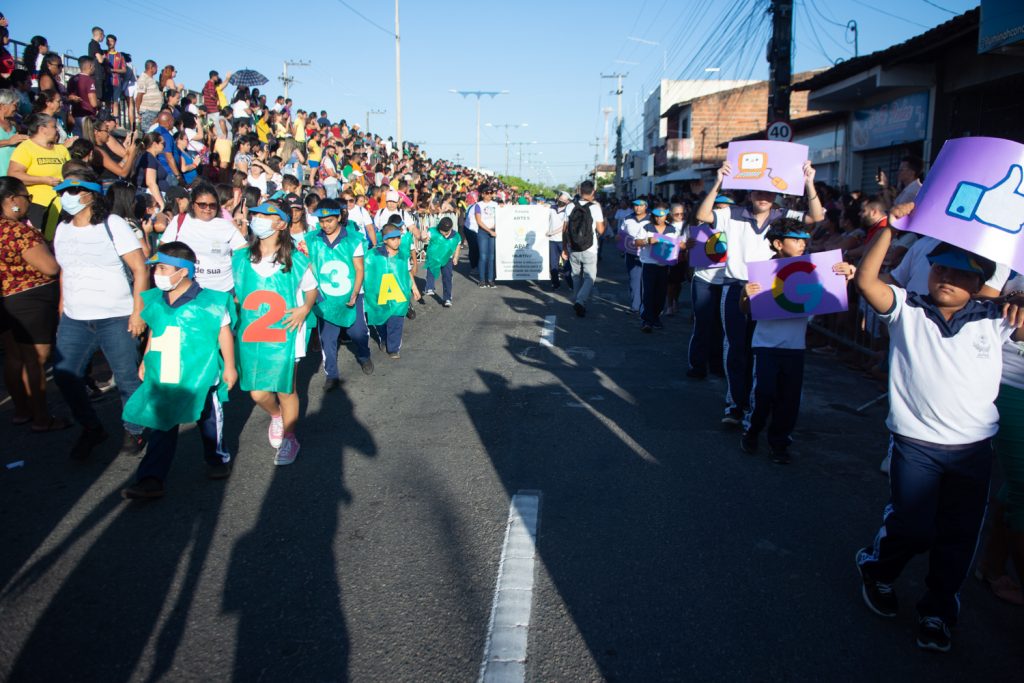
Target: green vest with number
(265,349)
(440,250)
(387,286)
(335,273)
(183,360)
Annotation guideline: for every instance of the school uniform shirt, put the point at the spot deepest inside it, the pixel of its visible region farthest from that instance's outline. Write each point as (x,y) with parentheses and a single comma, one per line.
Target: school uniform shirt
(787,333)
(556,224)
(944,375)
(213,242)
(712,276)
(596,215)
(645,230)
(746,241)
(93,280)
(912,271)
(633,227)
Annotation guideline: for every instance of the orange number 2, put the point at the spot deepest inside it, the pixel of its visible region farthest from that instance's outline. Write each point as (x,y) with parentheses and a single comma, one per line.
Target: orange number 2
(260,330)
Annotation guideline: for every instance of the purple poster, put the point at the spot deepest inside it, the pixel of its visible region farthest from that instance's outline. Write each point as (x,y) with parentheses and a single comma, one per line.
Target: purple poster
(623,242)
(666,250)
(711,248)
(765,165)
(973,197)
(797,287)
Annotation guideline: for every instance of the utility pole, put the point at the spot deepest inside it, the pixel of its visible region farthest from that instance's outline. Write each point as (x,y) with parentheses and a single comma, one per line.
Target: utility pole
(373,111)
(596,144)
(398,85)
(780,61)
(606,111)
(287,80)
(506,126)
(618,130)
(478,94)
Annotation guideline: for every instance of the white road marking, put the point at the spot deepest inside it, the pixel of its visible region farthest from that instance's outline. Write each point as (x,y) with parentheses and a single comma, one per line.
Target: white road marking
(509,627)
(547,334)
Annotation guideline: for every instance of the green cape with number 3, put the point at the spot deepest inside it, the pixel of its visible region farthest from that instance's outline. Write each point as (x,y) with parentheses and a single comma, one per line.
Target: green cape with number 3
(335,274)
(183,361)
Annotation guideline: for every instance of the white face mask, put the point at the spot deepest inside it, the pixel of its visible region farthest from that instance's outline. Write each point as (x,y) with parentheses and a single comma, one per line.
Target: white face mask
(262,227)
(72,203)
(163,282)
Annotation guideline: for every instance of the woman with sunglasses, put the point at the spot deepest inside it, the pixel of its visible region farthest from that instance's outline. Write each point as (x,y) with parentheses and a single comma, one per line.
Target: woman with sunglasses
(213,238)
(28,309)
(654,277)
(103,275)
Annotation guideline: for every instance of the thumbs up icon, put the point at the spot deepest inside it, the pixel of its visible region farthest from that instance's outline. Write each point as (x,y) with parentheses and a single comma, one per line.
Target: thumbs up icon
(1000,206)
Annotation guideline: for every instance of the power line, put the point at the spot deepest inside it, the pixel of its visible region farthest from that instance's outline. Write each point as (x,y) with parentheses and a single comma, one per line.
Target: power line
(890,14)
(929,2)
(367,19)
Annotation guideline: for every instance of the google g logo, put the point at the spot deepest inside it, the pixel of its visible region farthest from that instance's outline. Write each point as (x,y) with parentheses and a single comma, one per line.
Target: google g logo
(810,293)
(716,248)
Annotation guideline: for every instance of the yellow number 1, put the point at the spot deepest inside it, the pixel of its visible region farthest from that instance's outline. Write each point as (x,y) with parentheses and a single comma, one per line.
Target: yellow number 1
(168,345)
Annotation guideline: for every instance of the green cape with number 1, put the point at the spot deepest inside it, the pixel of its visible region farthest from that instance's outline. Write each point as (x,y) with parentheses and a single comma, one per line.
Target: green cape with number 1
(335,274)
(440,250)
(265,349)
(387,285)
(183,361)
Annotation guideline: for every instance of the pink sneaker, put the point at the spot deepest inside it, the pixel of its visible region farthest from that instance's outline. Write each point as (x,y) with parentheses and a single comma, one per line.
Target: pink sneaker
(288,450)
(275,432)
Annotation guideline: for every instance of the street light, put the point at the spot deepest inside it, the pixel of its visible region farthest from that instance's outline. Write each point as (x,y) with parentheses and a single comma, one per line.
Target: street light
(506,126)
(478,94)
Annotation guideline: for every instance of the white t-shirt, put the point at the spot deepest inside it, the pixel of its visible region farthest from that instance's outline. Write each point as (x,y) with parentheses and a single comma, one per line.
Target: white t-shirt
(912,272)
(94,283)
(746,241)
(214,242)
(239,109)
(786,333)
(488,213)
(381,219)
(909,193)
(556,224)
(633,226)
(360,215)
(597,216)
(942,389)
(1013,352)
(470,222)
(269,268)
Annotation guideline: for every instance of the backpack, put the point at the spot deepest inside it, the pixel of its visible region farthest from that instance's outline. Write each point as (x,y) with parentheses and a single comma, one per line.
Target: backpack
(581,227)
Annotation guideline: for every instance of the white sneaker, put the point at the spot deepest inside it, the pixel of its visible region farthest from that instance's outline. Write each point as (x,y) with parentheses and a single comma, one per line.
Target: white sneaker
(275,432)
(447,303)
(884,467)
(288,450)
(429,292)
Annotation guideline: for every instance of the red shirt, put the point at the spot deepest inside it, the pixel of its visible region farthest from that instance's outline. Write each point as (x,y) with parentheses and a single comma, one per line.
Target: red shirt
(211,103)
(873,230)
(16,275)
(82,85)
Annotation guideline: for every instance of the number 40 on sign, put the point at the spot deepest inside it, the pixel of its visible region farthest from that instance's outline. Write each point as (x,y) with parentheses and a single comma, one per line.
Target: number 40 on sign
(780,131)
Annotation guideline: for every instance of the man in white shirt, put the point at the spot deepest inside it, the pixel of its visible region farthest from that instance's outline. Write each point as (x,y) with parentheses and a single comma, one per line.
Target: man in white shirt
(360,215)
(629,226)
(583,259)
(745,228)
(556,225)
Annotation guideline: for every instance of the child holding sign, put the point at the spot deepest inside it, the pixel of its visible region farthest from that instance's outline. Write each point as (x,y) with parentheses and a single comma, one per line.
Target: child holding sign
(389,286)
(655,249)
(442,255)
(276,291)
(945,363)
(778,347)
(184,378)
(336,255)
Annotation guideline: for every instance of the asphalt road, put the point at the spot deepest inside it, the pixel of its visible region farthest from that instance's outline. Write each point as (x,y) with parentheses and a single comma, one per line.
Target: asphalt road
(663,554)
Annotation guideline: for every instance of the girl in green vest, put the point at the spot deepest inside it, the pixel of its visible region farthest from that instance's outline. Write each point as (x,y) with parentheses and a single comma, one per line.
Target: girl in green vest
(389,288)
(276,291)
(184,378)
(442,255)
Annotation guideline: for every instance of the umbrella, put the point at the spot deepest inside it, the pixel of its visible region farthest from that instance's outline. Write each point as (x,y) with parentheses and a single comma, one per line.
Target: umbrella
(247,77)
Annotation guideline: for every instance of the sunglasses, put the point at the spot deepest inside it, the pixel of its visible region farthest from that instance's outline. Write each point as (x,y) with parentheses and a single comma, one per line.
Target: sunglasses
(209,206)
(74,190)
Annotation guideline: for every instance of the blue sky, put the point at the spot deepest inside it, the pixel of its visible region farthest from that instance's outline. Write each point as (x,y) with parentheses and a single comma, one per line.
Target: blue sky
(548,55)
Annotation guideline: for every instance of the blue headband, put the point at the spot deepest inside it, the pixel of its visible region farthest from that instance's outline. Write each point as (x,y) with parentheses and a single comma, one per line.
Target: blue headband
(167,259)
(394,232)
(324,213)
(74,182)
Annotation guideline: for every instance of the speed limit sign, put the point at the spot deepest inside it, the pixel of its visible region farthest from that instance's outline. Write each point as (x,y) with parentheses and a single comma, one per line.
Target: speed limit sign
(780,131)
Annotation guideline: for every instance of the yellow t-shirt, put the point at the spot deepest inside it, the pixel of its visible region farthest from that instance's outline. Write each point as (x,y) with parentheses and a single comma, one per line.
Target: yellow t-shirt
(299,131)
(316,153)
(40,161)
(222,99)
(262,130)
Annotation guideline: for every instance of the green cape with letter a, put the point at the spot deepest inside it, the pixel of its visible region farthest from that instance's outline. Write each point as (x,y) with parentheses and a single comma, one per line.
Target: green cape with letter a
(387,286)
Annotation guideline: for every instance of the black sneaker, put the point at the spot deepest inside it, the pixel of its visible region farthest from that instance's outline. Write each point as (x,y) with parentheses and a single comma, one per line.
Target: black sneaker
(367,366)
(87,440)
(144,489)
(331,383)
(879,597)
(934,634)
(647,329)
(221,470)
(733,418)
(482,285)
(411,315)
(748,443)
(781,457)
(132,444)
(580,310)
(491,285)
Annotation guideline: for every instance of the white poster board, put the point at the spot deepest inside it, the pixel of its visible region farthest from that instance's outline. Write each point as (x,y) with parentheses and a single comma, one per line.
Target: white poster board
(521,246)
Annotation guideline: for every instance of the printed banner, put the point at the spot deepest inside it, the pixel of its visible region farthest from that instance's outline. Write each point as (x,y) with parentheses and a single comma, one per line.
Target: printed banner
(973,197)
(798,287)
(711,248)
(764,165)
(521,245)
(666,251)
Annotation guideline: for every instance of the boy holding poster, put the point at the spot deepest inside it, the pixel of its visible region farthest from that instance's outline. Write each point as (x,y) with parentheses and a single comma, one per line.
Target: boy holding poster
(276,291)
(778,347)
(442,255)
(945,365)
(336,256)
(184,378)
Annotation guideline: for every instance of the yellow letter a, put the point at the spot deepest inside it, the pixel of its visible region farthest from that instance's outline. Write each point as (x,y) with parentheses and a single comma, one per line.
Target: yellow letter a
(389,290)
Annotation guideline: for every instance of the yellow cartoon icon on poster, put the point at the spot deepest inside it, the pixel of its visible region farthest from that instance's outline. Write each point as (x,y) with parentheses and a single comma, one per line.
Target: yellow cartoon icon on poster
(754,166)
